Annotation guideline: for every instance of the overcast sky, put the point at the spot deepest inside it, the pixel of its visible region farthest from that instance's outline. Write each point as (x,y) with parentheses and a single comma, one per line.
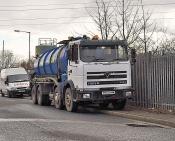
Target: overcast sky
(59,19)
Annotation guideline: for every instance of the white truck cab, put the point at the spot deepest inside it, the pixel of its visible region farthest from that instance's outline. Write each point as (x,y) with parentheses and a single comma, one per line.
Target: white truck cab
(100,71)
(14,81)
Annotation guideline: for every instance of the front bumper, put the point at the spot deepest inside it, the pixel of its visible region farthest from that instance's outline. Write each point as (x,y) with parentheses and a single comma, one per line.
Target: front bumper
(21,91)
(96,96)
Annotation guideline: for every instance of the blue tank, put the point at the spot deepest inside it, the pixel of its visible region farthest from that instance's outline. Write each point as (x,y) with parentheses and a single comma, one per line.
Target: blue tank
(52,62)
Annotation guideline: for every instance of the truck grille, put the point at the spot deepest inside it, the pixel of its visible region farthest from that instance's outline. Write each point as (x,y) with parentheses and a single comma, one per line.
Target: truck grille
(111,77)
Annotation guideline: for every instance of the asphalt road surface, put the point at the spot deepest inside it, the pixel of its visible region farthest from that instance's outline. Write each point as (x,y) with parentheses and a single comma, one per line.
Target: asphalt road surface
(20,120)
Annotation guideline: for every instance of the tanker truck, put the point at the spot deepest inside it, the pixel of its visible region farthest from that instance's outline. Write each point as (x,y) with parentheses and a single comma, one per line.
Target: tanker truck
(83,71)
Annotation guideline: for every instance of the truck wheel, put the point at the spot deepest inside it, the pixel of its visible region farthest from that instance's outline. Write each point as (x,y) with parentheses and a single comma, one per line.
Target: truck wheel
(58,102)
(103,105)
(119,104)
(9,94)
(43,99)
(71,106)
(34,95)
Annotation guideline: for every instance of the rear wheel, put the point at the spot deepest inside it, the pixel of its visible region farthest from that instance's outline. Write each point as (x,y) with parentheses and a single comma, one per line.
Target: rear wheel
(58,102)
(71,106)
(119,104)
(34,95)
(43,97)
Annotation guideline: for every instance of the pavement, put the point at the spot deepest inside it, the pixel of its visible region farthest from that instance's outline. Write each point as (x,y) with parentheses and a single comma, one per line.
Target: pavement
(157,118)
(20,120)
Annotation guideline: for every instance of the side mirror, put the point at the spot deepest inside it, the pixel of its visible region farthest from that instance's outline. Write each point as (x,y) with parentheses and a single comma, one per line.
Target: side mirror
(69,54)
(133,55)
(75,54)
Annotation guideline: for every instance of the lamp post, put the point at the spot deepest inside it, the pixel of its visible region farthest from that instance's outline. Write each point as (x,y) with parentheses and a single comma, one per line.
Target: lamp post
(29,40)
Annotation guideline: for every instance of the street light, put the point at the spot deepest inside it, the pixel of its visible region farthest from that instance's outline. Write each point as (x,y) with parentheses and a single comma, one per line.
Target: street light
(29,39)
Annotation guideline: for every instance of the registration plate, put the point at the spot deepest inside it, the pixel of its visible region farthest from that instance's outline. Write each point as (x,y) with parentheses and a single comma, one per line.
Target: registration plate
(108,92)
(21,91)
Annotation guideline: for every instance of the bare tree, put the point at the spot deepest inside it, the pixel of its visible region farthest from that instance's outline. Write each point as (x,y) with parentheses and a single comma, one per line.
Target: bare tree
(27,65)
(102,16)
(118,19)
(8,59)
(148,29)
(128,21)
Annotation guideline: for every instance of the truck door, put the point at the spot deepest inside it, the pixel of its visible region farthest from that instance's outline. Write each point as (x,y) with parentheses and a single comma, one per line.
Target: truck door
(74,67)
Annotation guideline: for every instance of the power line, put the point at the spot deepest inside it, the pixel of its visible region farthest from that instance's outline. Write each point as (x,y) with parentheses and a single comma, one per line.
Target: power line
(149,4)
(74,8)
(72,22)
(58,18)
(31,19)
(46,4)
(45,23)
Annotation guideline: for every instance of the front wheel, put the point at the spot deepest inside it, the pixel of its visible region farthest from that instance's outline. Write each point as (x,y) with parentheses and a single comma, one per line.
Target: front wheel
(2,94)
(71,106)
(103,105)
(9,94)
(58,103)
(119,104)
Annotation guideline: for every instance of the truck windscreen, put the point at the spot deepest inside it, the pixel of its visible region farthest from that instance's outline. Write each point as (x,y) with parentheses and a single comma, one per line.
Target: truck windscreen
(18,78)
(102,53)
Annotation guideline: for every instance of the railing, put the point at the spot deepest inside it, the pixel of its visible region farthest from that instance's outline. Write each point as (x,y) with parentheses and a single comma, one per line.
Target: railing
(154,82)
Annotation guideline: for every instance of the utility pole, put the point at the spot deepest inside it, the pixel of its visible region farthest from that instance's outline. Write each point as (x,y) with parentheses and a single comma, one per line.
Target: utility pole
(123,17)
(144,28)
(3,54)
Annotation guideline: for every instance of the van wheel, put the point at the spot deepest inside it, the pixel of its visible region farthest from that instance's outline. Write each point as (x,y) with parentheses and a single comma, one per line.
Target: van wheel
(21,95)
(119,104)
(58,102)
(103,105)
(1,93)
(43,98)
(34,95)
(71,106)
(9,94)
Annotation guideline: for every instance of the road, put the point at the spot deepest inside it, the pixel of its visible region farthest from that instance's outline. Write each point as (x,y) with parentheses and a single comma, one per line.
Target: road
(20,120)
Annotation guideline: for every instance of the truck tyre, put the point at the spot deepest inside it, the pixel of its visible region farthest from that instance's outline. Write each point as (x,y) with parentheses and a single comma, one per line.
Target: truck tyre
(71,106)
(58,102)
(34,95)
(43,99)
(9,94)
(103,105)
(119,104)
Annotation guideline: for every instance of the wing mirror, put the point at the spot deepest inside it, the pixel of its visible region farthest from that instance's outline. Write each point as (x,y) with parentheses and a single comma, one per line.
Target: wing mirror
(69,54)
(75,54)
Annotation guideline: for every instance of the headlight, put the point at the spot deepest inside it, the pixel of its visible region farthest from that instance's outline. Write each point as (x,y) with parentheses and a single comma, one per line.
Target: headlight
(85,96)
(128,94)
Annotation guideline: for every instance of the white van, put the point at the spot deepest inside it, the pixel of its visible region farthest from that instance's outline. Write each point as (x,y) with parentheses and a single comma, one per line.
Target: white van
(14,81)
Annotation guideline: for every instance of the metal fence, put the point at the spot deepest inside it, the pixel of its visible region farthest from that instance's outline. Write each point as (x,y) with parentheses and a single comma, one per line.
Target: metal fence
(154,82)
